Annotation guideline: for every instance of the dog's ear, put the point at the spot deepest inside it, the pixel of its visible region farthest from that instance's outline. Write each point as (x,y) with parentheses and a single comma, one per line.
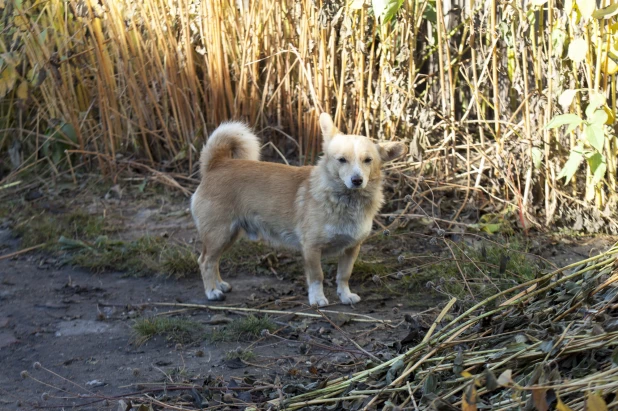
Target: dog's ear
(328,127)
(391,151)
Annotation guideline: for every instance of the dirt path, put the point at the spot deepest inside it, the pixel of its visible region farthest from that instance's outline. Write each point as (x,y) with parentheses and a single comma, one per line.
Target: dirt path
(79,325)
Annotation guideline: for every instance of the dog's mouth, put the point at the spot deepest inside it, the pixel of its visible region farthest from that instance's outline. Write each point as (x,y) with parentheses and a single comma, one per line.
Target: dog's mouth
(354,187)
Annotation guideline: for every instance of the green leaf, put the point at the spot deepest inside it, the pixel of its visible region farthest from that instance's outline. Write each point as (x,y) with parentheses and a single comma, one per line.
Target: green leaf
(491,228)
(575,159)
(572,127)
(57,153)
(598,166)
(357,4)
(566,98)
(386,9)
(594,136)
(43,37)
(563,119)
(586,7)
(142,186)
(537,157)
(577,50)
(598,118)
(65,133)
(430,14)
(606,12)
(596,101)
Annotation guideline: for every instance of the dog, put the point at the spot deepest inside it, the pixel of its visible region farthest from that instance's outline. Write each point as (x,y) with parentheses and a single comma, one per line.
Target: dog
(320,210)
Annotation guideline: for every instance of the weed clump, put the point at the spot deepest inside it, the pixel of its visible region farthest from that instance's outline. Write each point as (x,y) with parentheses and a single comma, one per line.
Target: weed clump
(242,329)
(44,228)
(474,273)
(178,330)
(240,354)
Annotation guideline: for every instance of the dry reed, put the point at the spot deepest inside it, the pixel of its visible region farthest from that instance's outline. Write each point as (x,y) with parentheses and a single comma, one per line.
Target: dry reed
(469,88)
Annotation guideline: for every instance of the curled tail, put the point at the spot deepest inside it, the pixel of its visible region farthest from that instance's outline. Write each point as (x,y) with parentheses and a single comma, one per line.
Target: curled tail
(229,140)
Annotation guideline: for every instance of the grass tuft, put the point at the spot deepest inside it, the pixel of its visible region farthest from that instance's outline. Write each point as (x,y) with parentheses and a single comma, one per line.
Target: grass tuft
(44,228)
(240,354)
(147,255)
(179,330)
(242,329)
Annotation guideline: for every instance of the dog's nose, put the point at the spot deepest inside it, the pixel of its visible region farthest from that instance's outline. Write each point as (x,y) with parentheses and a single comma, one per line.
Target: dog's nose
(357,181)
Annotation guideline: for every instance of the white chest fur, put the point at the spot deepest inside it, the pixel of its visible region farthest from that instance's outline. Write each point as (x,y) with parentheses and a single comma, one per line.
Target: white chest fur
(339,237)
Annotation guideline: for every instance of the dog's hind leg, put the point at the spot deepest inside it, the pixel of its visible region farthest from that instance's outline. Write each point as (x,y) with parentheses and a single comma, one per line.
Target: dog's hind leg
(214,246)
(315,276)
(344,271)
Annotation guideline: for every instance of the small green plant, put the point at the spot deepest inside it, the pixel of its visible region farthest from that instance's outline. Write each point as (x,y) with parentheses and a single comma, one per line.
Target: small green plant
(241,354)
(592,142)
(242,329)
(174,329)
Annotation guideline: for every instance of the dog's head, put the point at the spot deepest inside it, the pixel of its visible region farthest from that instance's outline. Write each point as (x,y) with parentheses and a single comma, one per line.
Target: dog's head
(356,160)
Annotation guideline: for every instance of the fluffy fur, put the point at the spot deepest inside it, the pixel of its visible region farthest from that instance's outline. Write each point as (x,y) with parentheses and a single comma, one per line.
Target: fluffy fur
(325,209)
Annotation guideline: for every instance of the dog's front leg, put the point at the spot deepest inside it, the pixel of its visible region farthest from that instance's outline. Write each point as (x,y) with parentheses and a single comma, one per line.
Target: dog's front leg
(315,276)
(344,271)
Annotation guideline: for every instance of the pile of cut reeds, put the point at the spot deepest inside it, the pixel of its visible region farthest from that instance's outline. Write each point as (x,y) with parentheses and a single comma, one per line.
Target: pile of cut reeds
(550,342)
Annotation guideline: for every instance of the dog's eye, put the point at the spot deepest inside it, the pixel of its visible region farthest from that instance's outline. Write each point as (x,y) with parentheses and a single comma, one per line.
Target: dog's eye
(342,160)
(368,160)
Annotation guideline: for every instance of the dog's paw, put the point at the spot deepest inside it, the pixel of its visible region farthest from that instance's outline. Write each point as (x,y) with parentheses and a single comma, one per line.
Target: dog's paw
(319,301)
(215,295)
(225,287)
(349,298)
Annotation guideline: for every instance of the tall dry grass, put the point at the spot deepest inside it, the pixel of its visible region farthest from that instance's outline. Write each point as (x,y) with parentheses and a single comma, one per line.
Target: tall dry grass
(470,89)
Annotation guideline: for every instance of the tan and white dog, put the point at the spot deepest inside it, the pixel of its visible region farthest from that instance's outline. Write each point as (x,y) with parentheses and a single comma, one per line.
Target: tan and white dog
(319,210)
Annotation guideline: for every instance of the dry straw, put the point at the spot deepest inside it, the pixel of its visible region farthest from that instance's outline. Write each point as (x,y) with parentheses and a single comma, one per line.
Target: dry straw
(469,86)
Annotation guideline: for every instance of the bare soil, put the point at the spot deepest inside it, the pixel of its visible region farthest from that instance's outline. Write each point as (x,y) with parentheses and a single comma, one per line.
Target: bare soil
(78,324)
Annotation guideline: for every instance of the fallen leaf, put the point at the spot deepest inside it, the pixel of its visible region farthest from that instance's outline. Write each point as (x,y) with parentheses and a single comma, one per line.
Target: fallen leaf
(538,399)
(491,383)
(505,379)
(594,402)
(468,401)
(560,406)
(466,374)
(22,90)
